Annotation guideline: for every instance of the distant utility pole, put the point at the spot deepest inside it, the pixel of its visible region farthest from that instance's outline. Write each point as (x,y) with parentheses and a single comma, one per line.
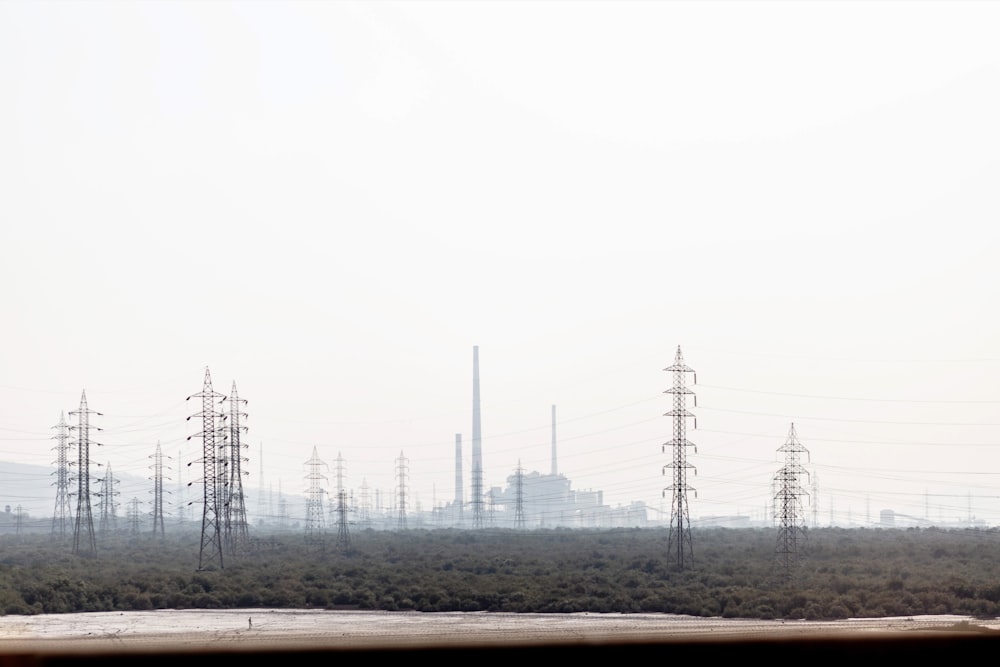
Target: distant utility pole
(519,502)
(238,537)
(478,518)
(210,551)
(19,522)
(133,517)
(788,504)
(84,541)
(401,489)
(158,493)
(365,517)
(679,548)
(62,515)
(343,536)
(108,522)
(314,499)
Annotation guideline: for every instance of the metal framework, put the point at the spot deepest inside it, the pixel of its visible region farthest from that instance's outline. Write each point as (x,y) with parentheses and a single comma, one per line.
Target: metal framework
(158,493)
(62,516)
(680,550)
(314,499)
(132,514)
(478,515)
(84,540)
(519,491)
(788,504)
(365,506)
(210,553)
(343,535)
(401,475)
(108,522)
(237,532)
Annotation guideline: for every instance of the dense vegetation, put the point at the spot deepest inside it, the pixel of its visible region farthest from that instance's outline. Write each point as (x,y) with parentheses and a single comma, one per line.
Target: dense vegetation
(843,573)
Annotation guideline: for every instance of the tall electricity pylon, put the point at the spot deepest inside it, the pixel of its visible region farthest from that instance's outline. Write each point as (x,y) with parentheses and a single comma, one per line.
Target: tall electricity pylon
(237,534)
(108,522)
(62,516)
(132,514)
(84,541)
(401,490)
(788,504)
(679,548)
(519,503)
(478,515)
(158,492)
(210,551)
(314,499)
(343,535)
(365,514)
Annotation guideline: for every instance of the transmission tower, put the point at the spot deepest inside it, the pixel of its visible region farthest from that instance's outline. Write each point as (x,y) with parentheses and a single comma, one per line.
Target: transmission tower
(84,541)
(478,517)
(679,548)
(19,523)
(401,490)
(788,503)
(133,517)
(519,502)
(109,515)
(365,516)
(343,536)
(238,536)
(210,551)
(62,515)
(158,492)
(314,499)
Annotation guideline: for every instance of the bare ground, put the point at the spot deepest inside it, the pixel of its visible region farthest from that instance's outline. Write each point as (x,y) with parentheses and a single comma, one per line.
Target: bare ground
(198,631)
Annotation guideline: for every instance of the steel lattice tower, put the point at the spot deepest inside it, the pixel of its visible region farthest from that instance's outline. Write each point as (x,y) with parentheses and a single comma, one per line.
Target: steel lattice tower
(314,499)
(343,536)
(519,502)
(19,523)
(108,521)
(679,548)
(210,551)
(788,503)
(133,517)
(158,492)
(62,515)
(237,532)
(478,518)
(84,541)
(401,489)
(365,506)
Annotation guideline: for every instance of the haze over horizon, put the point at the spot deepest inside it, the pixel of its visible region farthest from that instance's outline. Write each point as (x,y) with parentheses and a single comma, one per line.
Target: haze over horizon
(330,204)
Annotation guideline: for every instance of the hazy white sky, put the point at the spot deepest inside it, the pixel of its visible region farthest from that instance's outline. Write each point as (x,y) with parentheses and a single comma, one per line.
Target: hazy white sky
(331,203)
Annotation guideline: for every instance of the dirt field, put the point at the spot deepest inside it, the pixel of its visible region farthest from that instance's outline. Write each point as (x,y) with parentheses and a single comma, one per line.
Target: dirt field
(178,631)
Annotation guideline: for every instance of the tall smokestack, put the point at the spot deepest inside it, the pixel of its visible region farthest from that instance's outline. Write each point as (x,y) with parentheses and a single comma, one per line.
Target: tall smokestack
(477,446)
(555,470)
(459,494)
